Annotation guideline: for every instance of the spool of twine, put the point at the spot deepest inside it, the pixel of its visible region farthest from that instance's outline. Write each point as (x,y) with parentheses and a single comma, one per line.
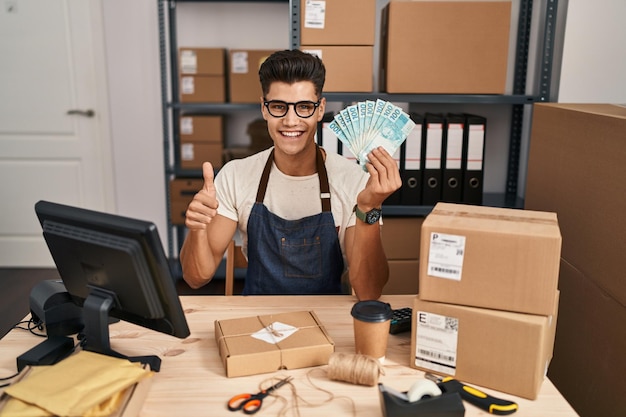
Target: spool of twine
(354,368)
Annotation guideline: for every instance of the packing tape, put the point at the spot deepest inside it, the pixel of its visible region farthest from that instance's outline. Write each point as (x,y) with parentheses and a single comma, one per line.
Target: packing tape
(421,388)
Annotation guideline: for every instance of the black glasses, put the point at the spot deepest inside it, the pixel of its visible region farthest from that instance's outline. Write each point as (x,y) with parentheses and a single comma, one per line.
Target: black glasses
(303,109)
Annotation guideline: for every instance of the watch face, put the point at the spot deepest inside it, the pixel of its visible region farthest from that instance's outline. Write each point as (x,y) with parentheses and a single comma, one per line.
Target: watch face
(372,216)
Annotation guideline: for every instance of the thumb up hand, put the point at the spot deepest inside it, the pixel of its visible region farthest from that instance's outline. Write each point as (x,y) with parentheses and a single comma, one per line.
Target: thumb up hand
(204,205)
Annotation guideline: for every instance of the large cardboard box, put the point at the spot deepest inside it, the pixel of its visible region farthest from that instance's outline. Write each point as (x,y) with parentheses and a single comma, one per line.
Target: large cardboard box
(243,73)
(490,257)
(193,154)
(182,191)
(445,47)
(348,68)
(576,169)
(202,128)
(403,277)
(202,89)
(337,22)
(502,350)
(401,237)
(202,61)
(269,343)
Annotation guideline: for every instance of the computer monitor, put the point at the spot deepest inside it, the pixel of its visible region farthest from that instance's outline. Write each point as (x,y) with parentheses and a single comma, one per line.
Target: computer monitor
(112,266)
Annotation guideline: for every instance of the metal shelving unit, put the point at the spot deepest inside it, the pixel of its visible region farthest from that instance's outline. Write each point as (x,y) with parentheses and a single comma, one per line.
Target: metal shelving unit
(519,101)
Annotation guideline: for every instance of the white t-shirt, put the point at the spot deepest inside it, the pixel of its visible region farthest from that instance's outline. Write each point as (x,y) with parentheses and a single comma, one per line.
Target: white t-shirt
(291,198)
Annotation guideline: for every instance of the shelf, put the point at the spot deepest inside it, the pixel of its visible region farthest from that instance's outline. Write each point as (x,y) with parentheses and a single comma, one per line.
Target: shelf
(489,199)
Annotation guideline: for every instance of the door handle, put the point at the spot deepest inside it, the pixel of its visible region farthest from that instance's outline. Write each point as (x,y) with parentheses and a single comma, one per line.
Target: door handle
(86,113)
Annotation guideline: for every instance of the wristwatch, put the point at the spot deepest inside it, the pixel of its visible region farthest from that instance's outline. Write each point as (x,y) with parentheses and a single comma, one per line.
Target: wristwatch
(370,217)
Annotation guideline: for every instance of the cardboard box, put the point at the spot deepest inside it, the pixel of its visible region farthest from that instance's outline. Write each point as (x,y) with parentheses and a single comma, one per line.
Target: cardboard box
(401,237)
(202,61)
(490,257)
(182,191)
(244,85)
(193,154)
(338,22)
(441,47)
(501,350)
(260,344)
(348,68)
(202,89)
(589,363)
(403,277)
(202,128)
(576,169)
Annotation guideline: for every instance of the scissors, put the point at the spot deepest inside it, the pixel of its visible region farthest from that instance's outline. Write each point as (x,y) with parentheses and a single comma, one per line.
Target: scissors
(251,403)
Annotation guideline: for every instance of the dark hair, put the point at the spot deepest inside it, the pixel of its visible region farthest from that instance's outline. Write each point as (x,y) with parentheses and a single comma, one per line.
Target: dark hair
(291,66)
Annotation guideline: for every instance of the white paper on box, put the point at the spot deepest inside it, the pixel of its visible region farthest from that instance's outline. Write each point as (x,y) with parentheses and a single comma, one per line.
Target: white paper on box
(436,342)
(188,62)
(275,332)
(186,152)
(239,64)
(186,125)
(315,52)
(187,85)
(314,14)
(445,257)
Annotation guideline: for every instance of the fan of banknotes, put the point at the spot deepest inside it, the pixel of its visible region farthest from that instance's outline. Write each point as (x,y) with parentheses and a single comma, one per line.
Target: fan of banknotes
(369,124)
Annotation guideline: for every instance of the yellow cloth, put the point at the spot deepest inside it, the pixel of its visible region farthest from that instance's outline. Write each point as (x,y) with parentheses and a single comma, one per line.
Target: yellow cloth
(85,384)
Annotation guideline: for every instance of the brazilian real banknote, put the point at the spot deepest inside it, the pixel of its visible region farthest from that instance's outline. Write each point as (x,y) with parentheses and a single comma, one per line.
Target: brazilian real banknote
(364,126)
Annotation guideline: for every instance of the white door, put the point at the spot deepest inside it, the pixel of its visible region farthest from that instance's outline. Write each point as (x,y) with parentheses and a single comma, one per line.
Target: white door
(53,119)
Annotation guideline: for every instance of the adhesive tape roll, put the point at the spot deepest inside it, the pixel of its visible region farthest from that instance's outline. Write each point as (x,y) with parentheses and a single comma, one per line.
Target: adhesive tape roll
(421,388)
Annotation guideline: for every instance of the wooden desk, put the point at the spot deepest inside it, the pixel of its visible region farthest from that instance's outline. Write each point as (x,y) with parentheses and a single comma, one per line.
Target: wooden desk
(192,381)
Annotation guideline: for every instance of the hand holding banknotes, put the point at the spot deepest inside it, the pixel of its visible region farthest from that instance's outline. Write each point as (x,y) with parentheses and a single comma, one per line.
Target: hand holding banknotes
(369,124)
(383,181)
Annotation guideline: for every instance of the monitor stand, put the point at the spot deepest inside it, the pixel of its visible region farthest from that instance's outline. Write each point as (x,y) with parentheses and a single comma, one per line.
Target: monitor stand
(96,339)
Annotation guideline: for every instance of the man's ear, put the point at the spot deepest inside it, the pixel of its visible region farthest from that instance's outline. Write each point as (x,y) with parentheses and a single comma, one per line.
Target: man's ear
(321,109)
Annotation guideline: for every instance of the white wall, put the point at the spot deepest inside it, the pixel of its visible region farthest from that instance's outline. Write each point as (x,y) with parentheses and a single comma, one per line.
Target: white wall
(594,52)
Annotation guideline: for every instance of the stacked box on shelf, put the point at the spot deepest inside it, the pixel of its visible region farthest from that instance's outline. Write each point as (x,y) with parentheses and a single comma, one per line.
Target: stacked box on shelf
(488,294)
(201,139)
(202,75)
(341,33)
(443,47)
(182,191)
(243,74)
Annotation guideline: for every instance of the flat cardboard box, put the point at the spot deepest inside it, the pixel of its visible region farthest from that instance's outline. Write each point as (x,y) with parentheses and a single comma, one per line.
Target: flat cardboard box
(202,61)
(269,343)
(339,22)
(440,47)
(202,128)
(244,85)
(348,68)
(202,89)
(193,154)
(576,169)
(506,351)
(589,363)
(505,259)
(182,191)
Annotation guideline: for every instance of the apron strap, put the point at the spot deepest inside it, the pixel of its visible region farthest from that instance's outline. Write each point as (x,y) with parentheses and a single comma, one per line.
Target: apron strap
(321,173)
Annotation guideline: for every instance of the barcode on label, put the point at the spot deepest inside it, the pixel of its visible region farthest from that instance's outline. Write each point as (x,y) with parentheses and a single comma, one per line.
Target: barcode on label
(444,270)
(436,355)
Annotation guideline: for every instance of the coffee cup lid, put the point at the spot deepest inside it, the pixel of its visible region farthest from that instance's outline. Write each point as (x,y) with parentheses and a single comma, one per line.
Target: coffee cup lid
(372,311)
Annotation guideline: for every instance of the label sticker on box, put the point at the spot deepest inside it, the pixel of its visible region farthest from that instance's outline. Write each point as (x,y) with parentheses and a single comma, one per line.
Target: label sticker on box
(188,62)
(436,342)
(239,63)
(186,152)
(186,125)
(445,257)
(314,14)
(275,332)
(187,85)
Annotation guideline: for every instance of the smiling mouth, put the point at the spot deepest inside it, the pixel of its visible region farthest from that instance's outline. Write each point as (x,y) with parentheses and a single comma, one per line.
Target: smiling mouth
(291,134)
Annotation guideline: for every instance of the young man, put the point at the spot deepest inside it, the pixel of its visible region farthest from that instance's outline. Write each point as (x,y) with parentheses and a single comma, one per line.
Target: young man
(304,215)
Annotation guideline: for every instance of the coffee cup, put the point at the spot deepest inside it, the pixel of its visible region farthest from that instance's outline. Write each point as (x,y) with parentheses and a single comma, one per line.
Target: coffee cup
(372,319)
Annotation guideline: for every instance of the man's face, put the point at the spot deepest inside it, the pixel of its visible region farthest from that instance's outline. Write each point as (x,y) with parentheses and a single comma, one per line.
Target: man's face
(291,133)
